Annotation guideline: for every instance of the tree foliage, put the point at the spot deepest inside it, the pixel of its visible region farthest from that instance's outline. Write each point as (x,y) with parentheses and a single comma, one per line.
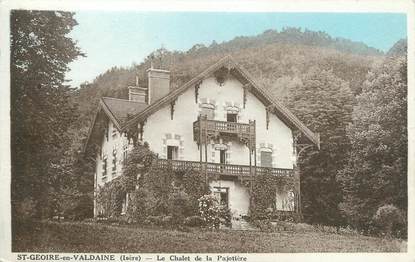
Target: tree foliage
(41,111)
(376,172)
(324,102)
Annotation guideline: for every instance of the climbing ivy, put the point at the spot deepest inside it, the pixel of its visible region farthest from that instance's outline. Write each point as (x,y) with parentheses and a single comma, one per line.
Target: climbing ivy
(263,196)
(110,197)
(139,162)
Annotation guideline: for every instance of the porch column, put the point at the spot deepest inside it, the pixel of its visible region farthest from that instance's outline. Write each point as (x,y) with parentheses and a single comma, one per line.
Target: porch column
(297,181)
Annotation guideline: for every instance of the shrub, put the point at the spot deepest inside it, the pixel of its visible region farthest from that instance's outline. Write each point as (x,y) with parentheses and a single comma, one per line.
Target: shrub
(264,225)
(139,162)
(158,220)
(25,209)
(194,221)
(142,204)
(194,184)
(302,227)
(390,220)
(111,196)
(209,211)
(225,216)
(83,208)
(179,206)
(213,213)
(160,182)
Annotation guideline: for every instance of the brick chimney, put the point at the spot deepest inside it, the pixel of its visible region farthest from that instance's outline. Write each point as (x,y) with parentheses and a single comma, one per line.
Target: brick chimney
(137,93)
(158,84)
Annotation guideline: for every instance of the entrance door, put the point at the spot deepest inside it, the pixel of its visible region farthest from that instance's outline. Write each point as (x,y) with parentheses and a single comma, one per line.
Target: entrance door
(172,152)
(222,195)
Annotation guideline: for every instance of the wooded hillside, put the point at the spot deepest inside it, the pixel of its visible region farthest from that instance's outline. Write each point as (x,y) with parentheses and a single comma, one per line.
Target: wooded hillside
(275,59)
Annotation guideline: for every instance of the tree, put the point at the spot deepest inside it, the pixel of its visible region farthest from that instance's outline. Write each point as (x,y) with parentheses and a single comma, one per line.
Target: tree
(41,110)
(376,173)
(324,103)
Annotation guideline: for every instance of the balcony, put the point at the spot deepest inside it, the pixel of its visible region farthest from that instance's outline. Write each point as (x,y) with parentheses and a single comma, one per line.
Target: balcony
(222,169)
(204,129)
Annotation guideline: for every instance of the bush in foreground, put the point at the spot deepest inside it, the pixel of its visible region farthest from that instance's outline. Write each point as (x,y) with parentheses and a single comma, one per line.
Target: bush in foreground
(213,213)
(389,220)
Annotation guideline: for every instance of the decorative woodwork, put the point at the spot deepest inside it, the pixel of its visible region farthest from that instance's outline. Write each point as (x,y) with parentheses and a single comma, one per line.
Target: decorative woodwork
(142,124)
(213,129)
(197,86)
(225,169)
(246,88)
(221,75)
(269,109)
(172,104)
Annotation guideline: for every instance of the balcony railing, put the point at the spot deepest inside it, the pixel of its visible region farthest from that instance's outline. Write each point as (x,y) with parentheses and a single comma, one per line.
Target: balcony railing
(243,131)
(222,169)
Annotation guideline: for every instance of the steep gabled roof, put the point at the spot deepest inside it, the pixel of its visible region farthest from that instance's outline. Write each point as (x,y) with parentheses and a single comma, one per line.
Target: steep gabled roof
(118,110)
(280,110)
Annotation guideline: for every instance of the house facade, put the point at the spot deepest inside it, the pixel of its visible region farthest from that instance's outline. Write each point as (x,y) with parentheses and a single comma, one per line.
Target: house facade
(220,122)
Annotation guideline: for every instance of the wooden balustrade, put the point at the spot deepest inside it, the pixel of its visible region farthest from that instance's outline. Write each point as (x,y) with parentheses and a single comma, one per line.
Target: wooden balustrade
(224,126)
(222,169)
(213,127)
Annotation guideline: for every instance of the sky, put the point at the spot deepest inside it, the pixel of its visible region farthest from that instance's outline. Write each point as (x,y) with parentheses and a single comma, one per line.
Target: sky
(122,38)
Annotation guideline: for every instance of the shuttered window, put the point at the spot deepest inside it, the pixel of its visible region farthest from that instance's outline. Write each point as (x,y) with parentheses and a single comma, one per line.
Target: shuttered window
(104,169)
(266,159)
(208,112)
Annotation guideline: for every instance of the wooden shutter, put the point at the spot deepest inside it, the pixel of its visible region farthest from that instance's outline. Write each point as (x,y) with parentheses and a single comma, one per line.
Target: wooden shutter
(266,159)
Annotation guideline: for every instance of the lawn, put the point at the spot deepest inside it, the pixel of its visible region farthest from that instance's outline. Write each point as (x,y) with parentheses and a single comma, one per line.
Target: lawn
(92,237)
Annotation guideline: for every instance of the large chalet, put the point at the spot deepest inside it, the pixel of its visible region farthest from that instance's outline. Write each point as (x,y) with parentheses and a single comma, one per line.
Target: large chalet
(220,122)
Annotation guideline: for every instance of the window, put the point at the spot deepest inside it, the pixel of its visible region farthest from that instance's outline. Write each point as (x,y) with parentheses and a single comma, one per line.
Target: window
(222,156)
(104,169)
(222,195)
(125,154)
(285,201)
(208,110)
(266,158)
(114,161)
(172,152)
(232,117)
(114,131)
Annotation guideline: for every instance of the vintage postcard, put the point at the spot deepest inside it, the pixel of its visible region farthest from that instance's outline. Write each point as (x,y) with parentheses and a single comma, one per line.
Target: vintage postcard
(206,131)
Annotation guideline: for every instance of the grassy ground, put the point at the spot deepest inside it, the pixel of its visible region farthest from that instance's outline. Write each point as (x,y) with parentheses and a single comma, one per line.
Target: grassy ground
(91,237)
